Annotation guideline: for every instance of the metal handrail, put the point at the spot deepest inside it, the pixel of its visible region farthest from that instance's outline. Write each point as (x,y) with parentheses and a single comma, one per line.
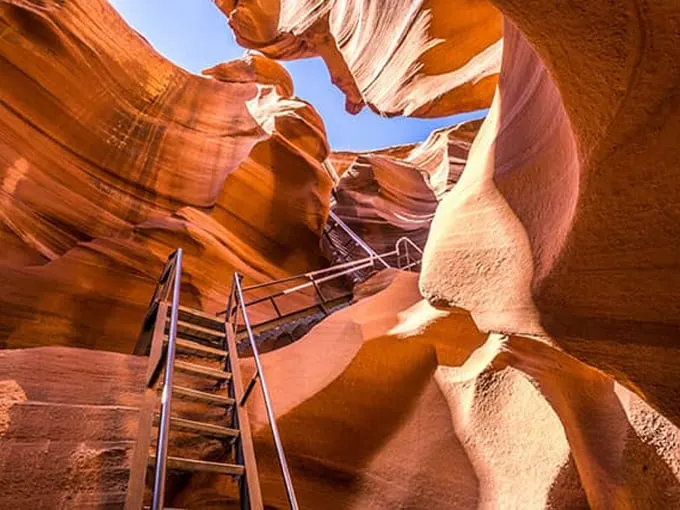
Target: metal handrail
(237,293)
(337,271)
(358,240)
(318,271)
(407,242)
(158,496)
(342,269)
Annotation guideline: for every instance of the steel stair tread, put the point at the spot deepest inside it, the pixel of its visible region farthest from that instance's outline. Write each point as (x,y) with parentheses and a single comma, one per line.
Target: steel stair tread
(195,369)
(184,464)
(210,398)
(188,345)
(199,316)
(200,427)
(189,329)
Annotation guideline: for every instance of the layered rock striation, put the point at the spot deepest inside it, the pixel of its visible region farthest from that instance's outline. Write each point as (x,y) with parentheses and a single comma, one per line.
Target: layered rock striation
(386,194)
(433,58)
(111,157)
(559,237)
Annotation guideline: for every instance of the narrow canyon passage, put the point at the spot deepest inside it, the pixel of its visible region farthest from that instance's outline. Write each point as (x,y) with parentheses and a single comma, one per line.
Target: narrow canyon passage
(485,316)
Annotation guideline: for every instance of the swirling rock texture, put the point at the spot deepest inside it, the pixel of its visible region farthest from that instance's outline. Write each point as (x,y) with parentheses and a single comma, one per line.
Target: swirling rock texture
(562,227)
(560,232)
(386,194)
(423,58)
(111,157)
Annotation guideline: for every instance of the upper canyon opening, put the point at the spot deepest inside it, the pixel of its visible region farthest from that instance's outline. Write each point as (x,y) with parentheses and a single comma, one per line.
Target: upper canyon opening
(194,35)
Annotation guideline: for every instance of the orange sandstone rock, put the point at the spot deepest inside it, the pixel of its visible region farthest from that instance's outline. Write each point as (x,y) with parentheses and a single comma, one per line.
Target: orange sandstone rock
(552,230)
(386,194)
(425,59)
(111,157)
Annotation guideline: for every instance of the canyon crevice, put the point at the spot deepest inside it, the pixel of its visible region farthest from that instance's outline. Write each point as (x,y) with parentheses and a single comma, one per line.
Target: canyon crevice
(531,364)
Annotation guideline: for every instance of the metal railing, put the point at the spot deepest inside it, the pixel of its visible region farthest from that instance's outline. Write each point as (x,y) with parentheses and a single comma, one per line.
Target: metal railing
(405,244)
(355,238)
(166,301)
(236,298)
(151,343)
(402,250)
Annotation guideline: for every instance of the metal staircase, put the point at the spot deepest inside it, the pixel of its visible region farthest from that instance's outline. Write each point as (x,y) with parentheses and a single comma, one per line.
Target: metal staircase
(406,256)
(194,364)
(208,377)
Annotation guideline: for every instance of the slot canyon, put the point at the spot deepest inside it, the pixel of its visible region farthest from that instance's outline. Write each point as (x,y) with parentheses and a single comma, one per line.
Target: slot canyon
(487,318)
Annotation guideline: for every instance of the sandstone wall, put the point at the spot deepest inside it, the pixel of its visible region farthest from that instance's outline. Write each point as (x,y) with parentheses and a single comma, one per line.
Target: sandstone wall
(564,223)
(68,425)
(386,194)
(111,157)
(434,57)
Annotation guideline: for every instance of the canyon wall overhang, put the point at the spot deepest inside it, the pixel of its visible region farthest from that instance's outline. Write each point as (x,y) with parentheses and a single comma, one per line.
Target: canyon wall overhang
(400,57)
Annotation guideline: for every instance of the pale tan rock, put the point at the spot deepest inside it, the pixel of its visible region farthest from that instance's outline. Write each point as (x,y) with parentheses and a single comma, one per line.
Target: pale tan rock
(398,57)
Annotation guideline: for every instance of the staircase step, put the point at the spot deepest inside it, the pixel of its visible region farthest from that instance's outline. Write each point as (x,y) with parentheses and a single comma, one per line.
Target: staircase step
(200,427)
(195,347)
(189,330)
(192,368)
(183,464)
(208,398)
(200,318)
(294,317)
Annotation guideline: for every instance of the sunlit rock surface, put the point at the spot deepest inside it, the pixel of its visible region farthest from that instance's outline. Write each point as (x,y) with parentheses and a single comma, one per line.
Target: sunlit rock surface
(418,58)
(565,223)
(386,194)
(415,407)
(111,157)
(561,232)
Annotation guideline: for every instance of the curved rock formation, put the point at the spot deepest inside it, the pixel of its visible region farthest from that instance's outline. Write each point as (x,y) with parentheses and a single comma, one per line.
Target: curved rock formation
(111,157)
(414,407)
(561,233)
(434,58)
(386,194)
(563,225)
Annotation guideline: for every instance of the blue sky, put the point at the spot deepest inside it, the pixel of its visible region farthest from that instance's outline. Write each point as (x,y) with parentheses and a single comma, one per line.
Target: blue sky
(195,35)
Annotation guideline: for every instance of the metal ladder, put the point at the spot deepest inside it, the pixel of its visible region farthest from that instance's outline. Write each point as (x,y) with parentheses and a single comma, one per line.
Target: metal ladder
(171,330)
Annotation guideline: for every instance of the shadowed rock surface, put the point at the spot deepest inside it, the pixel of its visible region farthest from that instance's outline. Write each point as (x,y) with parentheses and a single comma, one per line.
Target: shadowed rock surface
(555,223)
(112,157)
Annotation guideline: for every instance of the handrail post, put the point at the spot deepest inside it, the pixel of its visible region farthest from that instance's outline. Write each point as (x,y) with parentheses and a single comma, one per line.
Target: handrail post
(276,307)
(322,299)
(290,492)
(158,498)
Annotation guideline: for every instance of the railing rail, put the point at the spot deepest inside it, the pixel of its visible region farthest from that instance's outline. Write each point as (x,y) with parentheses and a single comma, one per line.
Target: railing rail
(172,273)
(403,244)
(236,295)
(314,279)
(358,240)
